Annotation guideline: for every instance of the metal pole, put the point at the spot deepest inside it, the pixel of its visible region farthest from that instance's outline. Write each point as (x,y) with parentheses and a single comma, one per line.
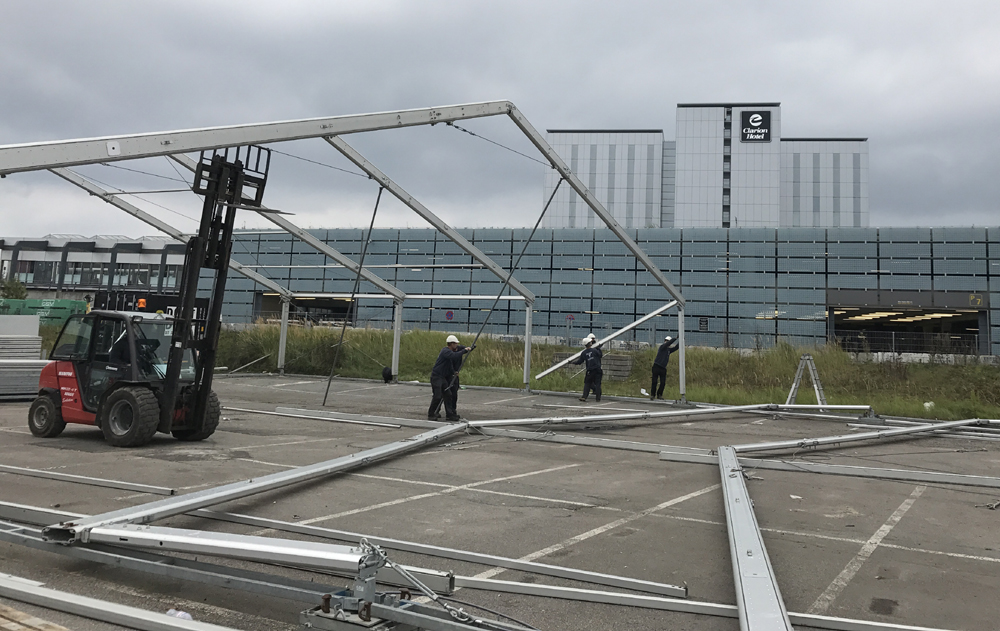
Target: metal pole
(681,357)
(527,347)
(610,337)
(283,335)
(397,335)
(757,595)
(806,443)
(79,529)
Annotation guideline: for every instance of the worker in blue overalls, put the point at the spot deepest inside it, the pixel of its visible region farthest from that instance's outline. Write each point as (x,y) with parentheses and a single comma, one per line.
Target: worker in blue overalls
(591,356)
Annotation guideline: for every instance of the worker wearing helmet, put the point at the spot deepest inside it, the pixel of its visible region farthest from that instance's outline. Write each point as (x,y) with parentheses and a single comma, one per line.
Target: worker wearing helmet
(444,380)
(660,367)
(591,356)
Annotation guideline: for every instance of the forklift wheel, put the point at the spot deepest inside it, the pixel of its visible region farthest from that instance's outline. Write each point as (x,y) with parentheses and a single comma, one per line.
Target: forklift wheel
(130,417)
(212,413)
(45,419)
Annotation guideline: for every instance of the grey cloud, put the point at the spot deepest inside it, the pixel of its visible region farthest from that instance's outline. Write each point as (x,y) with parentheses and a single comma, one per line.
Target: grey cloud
(921,82)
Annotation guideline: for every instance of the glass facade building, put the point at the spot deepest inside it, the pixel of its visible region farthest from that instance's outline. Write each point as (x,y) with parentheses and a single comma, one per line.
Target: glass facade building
(745,287)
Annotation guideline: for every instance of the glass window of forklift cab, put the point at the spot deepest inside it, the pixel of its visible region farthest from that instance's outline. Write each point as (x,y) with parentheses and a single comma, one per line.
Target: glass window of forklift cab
(152,343)
(73,342)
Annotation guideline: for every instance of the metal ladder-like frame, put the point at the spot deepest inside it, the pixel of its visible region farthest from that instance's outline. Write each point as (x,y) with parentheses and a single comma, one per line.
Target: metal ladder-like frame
(806,361)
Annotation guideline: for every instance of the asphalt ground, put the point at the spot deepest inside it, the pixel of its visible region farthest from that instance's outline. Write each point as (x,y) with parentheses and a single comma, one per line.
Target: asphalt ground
(876,550)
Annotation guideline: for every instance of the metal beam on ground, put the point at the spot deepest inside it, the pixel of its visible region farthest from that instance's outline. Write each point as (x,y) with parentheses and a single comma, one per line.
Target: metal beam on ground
(451,553)
(939,433)
(81,479)
(175,568)
(109,197)
(650,414)
(757,595)
(65,153)
(74,530)
(309,239)
(899,475)
(604,340)
(279,551)
(624,416)
(282,587)
(106,611)
(808,443)
(362,163)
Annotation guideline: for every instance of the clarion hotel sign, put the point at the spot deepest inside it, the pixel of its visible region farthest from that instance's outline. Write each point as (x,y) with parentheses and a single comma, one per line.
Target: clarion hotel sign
(755,126)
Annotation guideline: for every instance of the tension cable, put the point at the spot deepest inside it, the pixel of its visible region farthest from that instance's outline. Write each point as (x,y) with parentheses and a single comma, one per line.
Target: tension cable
(354,292)
(532,158)
(506,281)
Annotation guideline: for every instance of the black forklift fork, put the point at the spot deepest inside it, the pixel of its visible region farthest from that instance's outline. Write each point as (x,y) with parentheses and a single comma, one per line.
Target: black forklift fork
(228,182)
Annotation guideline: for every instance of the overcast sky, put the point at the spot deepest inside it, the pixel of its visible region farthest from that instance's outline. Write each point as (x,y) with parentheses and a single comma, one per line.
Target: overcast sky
(920,79)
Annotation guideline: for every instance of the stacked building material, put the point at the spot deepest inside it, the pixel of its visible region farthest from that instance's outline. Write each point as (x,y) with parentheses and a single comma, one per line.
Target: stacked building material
(20,351)
(20,347)
(19,378)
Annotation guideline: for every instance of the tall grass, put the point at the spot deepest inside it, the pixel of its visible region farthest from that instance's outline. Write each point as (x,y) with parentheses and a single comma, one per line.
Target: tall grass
(717,376)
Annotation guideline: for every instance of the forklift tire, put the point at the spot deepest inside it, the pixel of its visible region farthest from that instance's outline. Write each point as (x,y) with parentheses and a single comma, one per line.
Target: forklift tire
(44,418)
(130,416)
(212,413)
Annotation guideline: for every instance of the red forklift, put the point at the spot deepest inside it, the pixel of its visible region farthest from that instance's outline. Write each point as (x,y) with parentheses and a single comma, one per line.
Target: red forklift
(134,373)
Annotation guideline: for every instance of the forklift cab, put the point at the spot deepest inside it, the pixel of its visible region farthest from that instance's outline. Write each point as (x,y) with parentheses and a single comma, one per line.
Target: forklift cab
(112,348)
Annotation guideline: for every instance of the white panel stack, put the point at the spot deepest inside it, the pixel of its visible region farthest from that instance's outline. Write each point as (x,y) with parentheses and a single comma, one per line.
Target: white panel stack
(19,377)
(20,349)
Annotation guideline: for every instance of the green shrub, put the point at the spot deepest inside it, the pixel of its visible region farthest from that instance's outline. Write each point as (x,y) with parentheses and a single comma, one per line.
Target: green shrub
(717,376)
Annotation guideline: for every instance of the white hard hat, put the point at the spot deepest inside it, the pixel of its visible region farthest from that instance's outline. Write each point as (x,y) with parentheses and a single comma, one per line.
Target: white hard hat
(668,338)
(451,338)
(592,336)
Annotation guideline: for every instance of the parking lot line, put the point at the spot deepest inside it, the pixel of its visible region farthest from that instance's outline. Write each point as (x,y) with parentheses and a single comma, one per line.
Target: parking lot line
(452,489)
(601,529)
(830,594)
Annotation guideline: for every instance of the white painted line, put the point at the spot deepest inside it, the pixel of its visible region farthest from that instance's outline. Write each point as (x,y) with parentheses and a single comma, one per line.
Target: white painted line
(292,383)
(452,489)
(601,529)
(583,406)
(830,594)
(270,464)
(384,385)
(528,396)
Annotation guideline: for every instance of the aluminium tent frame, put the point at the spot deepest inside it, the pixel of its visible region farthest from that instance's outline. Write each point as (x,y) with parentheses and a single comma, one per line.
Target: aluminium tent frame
(60,155)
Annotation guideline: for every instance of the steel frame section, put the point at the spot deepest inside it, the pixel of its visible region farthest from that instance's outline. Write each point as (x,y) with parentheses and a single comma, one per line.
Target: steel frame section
(625,329)
(176,567)
(408,200)
(757,595)
(313,417)
(75,178)
(809,443)
(80,479)
(643,415)
(78,530)
(545,569)
(45,155)
(805,466)
(131,555)
(309,239)
(107,611)
(940,433)
(309,554)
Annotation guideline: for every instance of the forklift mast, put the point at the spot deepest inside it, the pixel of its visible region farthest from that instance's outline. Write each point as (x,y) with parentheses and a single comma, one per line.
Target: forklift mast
(229,179)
